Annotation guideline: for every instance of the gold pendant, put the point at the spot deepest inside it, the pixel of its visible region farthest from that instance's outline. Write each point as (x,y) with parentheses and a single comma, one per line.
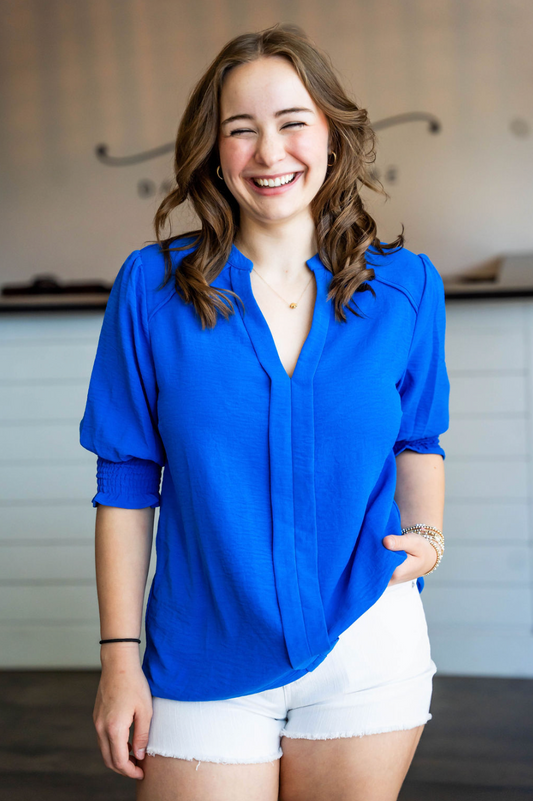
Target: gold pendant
(292,305)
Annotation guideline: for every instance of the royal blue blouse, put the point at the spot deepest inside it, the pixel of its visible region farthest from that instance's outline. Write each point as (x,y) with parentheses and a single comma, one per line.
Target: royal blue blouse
(276,492)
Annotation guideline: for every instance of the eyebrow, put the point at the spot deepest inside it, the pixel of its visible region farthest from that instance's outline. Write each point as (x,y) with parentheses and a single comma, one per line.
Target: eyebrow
(277,114)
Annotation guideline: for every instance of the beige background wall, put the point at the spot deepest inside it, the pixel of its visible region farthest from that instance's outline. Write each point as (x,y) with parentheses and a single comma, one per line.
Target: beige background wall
(77,73)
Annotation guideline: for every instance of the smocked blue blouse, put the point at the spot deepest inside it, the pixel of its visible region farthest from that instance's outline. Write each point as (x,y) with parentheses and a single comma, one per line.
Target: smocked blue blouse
(276,492)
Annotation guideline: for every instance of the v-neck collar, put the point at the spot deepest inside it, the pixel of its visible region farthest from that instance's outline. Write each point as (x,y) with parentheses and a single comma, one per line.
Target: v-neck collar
(242,262)
(259,330)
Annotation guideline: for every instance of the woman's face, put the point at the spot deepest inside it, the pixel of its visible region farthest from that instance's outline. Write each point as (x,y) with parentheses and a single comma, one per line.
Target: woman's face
(264,143)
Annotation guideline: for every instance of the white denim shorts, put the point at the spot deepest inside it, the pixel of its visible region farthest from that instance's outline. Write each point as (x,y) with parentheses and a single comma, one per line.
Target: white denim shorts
(378,678)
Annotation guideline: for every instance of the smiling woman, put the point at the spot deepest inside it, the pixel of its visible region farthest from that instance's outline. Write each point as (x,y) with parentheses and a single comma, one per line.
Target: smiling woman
(276,144)
(299,122)
(287,647)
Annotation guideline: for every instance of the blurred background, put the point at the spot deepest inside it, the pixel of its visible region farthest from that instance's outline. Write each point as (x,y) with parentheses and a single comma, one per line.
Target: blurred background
(90,99)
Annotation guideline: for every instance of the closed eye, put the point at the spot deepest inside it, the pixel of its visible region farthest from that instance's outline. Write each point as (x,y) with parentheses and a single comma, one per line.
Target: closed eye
(247,130)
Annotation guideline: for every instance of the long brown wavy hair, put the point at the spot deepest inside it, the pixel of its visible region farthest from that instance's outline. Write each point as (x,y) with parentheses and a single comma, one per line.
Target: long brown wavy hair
(344,229)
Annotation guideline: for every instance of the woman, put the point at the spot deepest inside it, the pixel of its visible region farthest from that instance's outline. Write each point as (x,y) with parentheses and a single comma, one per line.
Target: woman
(287,650)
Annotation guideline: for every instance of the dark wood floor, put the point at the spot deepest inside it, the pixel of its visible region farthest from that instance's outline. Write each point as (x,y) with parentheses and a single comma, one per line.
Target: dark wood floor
(477,747)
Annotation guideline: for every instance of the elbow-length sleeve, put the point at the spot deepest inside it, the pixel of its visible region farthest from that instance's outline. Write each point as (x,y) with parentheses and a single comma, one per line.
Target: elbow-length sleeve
(120,420)
(424,387)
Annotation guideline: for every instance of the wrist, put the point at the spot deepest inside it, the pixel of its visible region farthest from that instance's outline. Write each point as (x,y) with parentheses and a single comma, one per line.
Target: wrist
(119,652)
(435,538)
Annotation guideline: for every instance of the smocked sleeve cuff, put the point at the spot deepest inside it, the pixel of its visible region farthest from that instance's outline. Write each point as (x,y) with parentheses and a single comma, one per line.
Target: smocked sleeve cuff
(424,445)
(129,485)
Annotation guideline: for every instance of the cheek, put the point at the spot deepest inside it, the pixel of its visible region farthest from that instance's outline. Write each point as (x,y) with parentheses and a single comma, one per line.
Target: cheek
(312,149)
(235,153)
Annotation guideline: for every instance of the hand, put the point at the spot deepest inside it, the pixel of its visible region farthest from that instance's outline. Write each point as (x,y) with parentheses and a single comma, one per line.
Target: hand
(421,555)
(123,697)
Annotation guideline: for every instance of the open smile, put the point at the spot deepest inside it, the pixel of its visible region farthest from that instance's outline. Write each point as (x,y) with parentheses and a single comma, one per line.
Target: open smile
(276,184)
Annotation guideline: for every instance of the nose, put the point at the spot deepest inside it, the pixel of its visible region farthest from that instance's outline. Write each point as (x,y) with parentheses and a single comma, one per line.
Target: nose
(270,149)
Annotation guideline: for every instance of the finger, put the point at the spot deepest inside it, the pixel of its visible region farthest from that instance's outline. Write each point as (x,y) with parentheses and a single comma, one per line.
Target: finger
(404,542)
(103,744)
(120,755)
(135,762)
(390,541)
(141,731)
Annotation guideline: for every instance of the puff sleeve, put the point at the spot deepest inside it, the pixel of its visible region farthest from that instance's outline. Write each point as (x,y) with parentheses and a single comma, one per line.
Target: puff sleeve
(120,420)
(424,387)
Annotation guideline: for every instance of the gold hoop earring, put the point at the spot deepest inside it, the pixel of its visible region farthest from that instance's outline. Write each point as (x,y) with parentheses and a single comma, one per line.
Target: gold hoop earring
(219,175)
(334,159)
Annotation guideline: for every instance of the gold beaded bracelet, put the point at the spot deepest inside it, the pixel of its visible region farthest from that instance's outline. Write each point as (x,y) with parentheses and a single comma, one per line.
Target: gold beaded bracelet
(434,536)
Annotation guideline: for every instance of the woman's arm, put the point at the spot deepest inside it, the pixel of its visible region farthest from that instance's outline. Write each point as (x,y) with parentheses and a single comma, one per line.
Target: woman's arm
(419,494)
(420,488)
(122,553)
(123,548)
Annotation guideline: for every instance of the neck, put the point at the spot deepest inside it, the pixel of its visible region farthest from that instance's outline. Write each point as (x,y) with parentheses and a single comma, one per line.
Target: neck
(279,255)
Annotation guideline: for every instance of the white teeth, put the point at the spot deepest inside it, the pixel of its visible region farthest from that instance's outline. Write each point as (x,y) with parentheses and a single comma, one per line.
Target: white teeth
(274,181)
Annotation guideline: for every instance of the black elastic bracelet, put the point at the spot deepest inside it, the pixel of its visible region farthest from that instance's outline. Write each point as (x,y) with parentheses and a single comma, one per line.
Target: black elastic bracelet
(126,639)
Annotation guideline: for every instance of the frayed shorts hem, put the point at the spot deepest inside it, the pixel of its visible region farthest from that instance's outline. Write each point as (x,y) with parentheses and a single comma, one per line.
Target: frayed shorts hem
(291,735)
(378,730)
(218,760)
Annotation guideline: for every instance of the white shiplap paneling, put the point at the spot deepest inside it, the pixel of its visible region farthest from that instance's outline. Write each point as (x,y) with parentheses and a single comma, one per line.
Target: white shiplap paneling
(479,603)
(48,601)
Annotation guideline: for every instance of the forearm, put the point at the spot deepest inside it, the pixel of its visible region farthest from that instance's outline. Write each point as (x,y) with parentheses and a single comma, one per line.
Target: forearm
(123,544)
(420,487)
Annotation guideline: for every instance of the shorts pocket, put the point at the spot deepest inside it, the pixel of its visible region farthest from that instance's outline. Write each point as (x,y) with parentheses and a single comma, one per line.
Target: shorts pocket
(390,641)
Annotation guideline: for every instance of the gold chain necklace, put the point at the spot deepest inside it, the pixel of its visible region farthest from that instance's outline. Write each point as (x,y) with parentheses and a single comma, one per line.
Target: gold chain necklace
(290,305)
